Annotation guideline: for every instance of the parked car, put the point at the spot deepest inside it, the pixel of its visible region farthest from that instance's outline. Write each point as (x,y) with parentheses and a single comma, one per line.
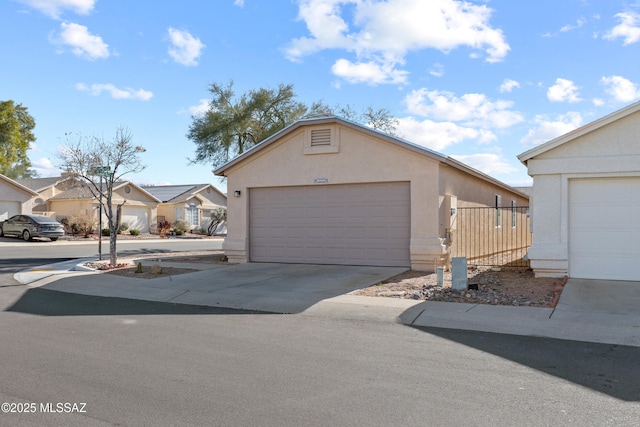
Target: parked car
(29,226)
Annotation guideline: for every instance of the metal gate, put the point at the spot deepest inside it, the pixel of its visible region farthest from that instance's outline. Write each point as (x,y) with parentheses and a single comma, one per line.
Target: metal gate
(489,236)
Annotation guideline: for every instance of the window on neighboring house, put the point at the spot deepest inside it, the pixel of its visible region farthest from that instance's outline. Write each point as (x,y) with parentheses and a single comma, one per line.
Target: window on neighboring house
(192,215)
(498,210)
(514,215)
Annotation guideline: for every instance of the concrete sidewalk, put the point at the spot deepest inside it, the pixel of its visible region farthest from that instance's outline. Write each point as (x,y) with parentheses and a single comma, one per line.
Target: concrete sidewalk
(592,311)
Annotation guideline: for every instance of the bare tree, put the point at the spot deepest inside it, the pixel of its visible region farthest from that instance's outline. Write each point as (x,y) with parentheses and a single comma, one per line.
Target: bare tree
(100,164)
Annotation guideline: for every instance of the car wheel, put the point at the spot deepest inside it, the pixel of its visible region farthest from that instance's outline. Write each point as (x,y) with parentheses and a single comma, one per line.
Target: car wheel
(53,239)
(1,232)
(26,236)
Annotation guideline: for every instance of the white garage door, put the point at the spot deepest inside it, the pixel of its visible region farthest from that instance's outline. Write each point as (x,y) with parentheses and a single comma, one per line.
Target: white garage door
(137,218)
(359,224)
(9,209)
(604,224)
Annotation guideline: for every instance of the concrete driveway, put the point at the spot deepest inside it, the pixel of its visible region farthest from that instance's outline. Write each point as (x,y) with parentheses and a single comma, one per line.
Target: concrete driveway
(278,288)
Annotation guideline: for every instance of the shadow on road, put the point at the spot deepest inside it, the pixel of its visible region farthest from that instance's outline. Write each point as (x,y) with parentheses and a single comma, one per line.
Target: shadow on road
(45,302)
(606,368)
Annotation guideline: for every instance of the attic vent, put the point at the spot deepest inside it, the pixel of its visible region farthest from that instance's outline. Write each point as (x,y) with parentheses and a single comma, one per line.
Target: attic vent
(320,137)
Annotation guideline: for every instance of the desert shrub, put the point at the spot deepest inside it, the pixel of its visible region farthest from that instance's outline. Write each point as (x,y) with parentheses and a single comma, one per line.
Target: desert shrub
(106,232)
(134,232)
(218,215)
(82,224)
(164,227)
(123,227)
(181,225)
(179,232)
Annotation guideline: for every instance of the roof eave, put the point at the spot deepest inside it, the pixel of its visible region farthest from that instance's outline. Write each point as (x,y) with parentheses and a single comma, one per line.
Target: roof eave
(576,133)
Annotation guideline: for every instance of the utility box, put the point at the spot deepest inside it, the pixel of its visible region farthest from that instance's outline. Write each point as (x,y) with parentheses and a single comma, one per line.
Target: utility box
(459,273)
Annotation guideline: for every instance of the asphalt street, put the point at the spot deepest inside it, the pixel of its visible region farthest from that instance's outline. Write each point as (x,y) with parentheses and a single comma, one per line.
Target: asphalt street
(145,363)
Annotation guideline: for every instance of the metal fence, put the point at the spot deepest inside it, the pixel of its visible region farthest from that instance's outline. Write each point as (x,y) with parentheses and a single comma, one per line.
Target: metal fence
(489,236)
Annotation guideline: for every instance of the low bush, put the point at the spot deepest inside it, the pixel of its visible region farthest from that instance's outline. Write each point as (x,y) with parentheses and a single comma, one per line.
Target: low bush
(106,232)
(82,224)
(134,232)
(181,225)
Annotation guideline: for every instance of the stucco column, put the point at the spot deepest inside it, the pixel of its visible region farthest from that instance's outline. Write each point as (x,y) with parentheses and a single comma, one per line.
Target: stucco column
(549,250)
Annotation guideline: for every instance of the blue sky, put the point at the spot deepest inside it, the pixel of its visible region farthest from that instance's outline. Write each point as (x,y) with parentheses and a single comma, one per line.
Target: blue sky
(481,81)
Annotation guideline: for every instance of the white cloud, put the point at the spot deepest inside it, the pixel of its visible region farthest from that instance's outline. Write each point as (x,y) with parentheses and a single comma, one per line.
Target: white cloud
(628,29)
(239,3)
(439,135)
(200,109)
(563,91)
(579,23)
(621,89)
(54,8)
(437,70)
(116,93)
(383,32)
(488,163)
(508,85)
(44,168)
(82,43)
(547,129)
(472,109)
(185,49)
(368,72)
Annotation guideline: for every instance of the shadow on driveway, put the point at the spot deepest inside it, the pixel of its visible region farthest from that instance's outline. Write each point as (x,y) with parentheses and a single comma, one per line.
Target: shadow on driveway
(44,302)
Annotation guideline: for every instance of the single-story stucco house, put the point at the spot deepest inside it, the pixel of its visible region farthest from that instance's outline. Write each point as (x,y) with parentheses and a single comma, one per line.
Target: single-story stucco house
(192,203)
(66,197)
(586,200)
(15,198)
(328,191)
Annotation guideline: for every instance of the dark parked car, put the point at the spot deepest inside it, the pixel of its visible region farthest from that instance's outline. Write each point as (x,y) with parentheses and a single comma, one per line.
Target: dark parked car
(29,226)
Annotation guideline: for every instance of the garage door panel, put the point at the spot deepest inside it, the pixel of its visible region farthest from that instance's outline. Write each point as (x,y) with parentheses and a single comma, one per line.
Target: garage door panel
(604,229)
(367,224)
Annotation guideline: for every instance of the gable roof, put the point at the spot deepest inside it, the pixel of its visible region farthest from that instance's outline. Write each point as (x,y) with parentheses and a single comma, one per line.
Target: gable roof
(39,184)
(178,193)
(581,131)
(320,120)
(82,192)
(18,185)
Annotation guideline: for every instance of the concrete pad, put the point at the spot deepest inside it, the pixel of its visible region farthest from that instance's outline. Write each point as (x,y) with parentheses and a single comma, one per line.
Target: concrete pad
(279,288)
(95,285)
(354,307)
(484,317)
(600,296)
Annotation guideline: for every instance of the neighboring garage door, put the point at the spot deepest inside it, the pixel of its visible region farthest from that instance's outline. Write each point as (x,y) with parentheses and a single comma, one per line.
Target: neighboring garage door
(137,218)
(358,224)
(9,209)
(604,224)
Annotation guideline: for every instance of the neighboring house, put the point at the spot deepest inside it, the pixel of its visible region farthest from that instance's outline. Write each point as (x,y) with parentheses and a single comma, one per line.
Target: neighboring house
(46,188)
(66,197)
(15,198)
(192,203)
(586,200)
(328,191)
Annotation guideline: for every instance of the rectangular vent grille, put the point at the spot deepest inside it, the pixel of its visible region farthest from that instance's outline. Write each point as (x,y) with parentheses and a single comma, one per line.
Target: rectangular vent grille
(320,137)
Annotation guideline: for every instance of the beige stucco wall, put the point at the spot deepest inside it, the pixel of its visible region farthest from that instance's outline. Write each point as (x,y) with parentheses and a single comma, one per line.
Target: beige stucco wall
(11,193)
(610,151)
(356,158)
